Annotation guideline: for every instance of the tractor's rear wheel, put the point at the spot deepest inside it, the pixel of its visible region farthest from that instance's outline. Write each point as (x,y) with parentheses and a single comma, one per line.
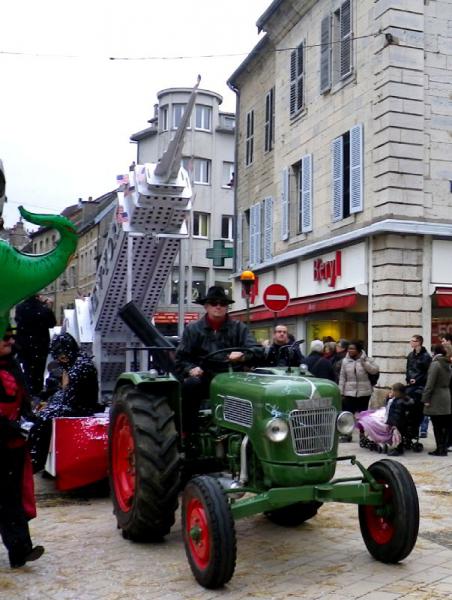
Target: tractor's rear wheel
(390,530)
(209,532)
(144,464)
(294,514)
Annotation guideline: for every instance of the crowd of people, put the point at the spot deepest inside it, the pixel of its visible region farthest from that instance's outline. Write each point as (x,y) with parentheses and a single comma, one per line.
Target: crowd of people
(28,404)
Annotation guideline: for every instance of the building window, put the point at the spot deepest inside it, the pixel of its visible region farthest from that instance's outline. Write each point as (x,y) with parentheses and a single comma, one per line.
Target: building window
(201,224)
(336,55)
(178,112)
(269,120)
(226,227)
(296,80)
(201,168)
(249,138)
(227,121)
(198,284)
(175,287)
(303,175)
(227,178)
(347,173)
(203,117)
(164,118)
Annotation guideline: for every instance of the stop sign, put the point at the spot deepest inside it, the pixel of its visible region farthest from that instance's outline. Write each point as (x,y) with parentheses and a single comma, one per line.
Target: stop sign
(276,297)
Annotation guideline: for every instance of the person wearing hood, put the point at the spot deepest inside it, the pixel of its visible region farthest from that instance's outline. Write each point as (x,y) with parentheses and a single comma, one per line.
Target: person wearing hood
(436,398)
(77,396)
(212,332)
(17,501)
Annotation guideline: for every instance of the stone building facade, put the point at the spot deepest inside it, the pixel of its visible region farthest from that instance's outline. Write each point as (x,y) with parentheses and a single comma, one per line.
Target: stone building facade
(343,186)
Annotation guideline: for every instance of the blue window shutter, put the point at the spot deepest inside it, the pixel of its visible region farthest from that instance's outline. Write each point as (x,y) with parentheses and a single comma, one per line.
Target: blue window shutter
(252,253)
(337,203)
(325,55)
(285,204)
(238,242)
(268,229)
(306,193)
(356,168)
(257,236)
(346,39)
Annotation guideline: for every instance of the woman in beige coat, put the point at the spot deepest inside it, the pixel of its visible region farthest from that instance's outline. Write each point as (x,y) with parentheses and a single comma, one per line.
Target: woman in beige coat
(436,398)
(354,382)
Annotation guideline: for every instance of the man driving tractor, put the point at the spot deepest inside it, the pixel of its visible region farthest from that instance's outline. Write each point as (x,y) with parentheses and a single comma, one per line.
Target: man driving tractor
(215,331)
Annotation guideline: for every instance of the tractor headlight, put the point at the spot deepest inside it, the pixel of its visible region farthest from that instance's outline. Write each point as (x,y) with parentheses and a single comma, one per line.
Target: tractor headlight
(277,430)
(345,423)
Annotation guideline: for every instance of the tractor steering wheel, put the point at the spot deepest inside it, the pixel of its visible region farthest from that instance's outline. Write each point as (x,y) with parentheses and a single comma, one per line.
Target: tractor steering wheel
(212,360)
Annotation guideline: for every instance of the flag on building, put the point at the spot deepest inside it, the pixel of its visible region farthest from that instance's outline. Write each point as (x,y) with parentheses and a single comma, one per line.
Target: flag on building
(122,179)
(121,215)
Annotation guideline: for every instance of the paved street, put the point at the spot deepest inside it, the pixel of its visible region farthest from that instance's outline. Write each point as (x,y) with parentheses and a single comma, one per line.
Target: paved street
(87,559)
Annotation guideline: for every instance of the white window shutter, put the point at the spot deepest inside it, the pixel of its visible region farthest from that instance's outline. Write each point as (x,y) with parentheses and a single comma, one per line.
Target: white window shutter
(238,242)
(268,229)
(325,55)
(346,39)
(257,234)
(285,204)
(356,168)
(306,193)
(337,184)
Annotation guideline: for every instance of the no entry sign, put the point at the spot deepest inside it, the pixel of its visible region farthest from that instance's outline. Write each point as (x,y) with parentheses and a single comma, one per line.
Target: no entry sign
(276,297)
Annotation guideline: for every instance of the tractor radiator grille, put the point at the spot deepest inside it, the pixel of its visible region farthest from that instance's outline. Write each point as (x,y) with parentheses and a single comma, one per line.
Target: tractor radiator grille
(237,410)
(313,430)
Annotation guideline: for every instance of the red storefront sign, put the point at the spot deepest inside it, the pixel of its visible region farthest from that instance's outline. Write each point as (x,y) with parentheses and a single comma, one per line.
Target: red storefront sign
(443,297)
(328,270)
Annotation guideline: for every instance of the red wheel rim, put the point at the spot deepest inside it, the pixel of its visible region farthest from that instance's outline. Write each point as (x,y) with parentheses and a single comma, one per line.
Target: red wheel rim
(197,531)
(379,519)
(123,463)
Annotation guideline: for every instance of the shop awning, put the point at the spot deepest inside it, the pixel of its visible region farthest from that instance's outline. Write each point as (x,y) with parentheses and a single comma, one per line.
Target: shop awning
(443,297)
(338,300)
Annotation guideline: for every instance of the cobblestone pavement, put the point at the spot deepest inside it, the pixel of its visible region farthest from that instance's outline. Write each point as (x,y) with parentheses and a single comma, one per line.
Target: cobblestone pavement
(87,559)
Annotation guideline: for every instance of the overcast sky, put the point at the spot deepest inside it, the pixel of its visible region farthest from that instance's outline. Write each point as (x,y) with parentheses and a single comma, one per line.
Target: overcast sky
(67,111)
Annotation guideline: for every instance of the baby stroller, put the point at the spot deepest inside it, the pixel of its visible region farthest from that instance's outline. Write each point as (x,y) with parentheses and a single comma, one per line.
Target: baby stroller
(394,426)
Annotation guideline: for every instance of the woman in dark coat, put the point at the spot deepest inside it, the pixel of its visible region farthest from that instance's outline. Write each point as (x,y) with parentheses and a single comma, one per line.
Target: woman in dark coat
(17,504)
(436,398)
(78,396)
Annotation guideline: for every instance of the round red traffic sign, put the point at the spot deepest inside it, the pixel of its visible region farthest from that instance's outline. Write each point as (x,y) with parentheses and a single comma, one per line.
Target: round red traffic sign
(276,297)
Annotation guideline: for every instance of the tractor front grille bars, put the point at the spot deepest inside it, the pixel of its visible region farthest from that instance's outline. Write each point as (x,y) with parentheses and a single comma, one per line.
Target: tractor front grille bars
(313,430)
(238,410)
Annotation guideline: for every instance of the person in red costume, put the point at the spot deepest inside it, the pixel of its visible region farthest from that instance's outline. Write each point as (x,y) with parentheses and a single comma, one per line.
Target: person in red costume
(17,503)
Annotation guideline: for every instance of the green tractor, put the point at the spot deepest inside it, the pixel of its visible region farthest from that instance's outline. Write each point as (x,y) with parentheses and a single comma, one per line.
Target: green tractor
(267,443)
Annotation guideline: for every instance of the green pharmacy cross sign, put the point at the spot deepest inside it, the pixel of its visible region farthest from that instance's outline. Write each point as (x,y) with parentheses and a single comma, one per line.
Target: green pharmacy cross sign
(219,252)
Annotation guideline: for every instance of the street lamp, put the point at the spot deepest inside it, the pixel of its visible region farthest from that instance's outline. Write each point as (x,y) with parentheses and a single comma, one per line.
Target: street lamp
(247,278)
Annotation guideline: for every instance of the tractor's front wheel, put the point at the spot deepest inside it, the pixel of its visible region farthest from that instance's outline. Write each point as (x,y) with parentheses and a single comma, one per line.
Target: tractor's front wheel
(209,532)
(390,530)
(144,464)
(294,514)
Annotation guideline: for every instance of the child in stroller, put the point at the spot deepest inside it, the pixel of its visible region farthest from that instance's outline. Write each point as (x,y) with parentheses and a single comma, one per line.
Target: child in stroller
(392,427)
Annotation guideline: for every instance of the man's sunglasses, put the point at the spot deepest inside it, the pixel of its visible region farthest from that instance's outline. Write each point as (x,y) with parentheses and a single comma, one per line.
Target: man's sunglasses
(218,303)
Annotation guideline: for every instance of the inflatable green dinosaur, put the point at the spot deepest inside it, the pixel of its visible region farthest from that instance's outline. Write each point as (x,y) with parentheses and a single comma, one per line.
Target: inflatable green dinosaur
(23,275)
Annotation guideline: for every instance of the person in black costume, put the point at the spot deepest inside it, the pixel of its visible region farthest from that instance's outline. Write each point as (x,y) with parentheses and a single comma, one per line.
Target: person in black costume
(77,397)
(34,317)
(279,354)
(17,504)
(214,331)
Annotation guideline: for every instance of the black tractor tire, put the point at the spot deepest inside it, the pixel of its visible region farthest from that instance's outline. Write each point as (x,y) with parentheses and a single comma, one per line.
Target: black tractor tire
(390,531)
(144,464)
(294,514)
(209,532)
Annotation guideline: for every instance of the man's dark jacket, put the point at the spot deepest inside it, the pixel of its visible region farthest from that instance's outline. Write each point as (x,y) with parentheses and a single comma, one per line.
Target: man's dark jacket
(200,339)
(320,366)
(278,355)
(417,366)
